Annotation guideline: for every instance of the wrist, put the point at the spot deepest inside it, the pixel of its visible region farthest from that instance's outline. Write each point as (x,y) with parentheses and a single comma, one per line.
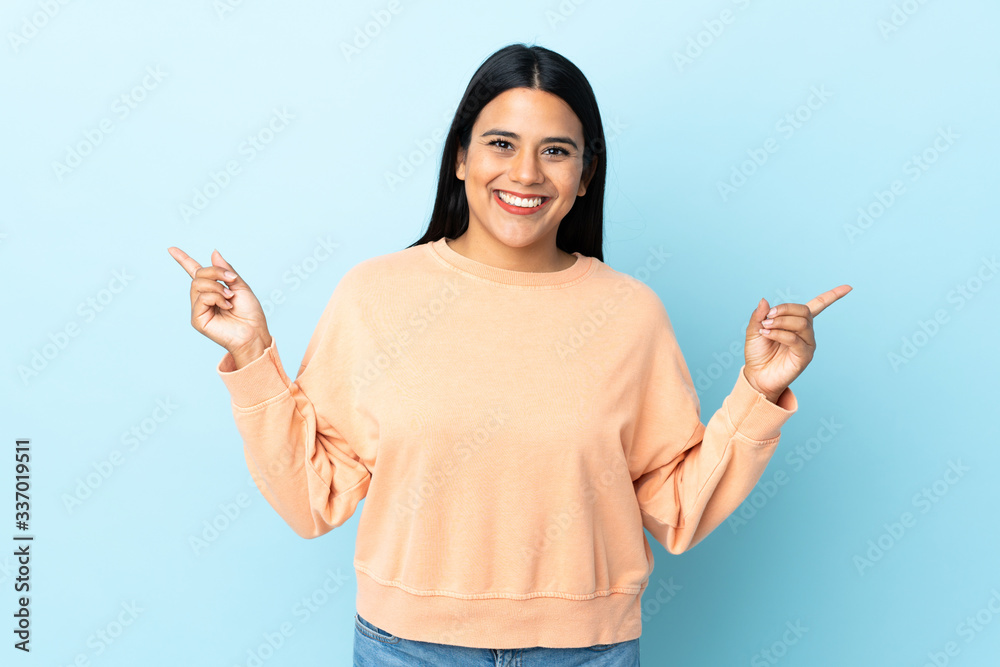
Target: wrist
(769,395)
(773,397)
(249,352)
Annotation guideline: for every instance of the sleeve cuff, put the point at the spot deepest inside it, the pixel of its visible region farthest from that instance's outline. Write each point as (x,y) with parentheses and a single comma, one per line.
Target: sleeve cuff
(753,415)
(259,381)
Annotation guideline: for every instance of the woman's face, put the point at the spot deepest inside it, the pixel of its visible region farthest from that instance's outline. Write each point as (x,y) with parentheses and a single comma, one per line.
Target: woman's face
(526,143)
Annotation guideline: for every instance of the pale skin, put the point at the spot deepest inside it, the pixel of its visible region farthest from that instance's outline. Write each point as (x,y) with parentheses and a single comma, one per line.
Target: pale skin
(529,142)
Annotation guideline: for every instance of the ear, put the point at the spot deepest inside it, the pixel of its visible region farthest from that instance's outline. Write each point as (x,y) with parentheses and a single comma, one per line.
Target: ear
(460,163)
(588,174)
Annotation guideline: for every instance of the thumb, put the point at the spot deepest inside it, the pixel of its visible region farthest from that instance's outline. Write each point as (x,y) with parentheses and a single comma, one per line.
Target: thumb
(759,313)
(219,261)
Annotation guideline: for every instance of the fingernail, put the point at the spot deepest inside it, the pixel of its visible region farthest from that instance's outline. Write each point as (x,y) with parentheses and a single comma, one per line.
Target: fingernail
(772,312)
(229,275)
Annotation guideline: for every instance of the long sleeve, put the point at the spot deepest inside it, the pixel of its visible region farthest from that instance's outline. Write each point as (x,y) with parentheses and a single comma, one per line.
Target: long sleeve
(298,435)
(689,476)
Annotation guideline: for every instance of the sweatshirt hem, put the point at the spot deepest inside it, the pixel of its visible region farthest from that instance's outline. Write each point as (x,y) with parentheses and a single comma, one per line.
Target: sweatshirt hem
(501,622)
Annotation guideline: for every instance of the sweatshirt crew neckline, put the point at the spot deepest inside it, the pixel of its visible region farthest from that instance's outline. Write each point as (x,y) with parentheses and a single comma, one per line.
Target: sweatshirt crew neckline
(444,253)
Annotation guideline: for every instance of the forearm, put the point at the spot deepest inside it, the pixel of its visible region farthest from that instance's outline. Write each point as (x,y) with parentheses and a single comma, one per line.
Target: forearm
(312,479)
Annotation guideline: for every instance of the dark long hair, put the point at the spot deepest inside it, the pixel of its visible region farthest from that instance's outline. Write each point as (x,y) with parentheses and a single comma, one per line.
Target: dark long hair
(523,66)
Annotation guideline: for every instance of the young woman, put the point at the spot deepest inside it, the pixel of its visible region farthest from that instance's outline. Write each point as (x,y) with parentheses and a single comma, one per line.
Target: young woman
(513,411)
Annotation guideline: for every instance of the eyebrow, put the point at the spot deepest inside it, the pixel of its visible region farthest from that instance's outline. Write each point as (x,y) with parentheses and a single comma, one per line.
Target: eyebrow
(513,135)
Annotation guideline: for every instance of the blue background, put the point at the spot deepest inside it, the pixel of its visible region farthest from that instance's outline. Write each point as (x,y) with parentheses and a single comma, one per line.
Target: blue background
(904,374)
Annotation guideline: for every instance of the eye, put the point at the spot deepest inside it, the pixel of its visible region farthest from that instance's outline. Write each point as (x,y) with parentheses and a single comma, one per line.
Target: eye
(497,142)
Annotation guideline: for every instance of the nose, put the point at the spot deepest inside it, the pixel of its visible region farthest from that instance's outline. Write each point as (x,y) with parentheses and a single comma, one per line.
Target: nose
(525,168)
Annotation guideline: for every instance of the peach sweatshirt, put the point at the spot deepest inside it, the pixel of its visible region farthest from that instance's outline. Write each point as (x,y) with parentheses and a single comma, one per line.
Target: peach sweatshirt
(512,433)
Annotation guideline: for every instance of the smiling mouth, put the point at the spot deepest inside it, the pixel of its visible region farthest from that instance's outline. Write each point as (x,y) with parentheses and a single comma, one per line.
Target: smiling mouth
(519,205)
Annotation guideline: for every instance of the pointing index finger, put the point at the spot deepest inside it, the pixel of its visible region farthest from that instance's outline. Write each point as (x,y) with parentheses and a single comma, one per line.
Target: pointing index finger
(817,305)
(184,260)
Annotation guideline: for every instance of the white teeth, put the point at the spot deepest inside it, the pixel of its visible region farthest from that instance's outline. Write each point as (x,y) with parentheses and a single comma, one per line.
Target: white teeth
(517,201)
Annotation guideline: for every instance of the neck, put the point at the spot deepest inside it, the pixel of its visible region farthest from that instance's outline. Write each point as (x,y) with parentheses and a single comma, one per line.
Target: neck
(541,257)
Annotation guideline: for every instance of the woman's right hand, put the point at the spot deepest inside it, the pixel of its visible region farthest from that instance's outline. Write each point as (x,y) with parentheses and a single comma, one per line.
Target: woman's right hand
(230,316)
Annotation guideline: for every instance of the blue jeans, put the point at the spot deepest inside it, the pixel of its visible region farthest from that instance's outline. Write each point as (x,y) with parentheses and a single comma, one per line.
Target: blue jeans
(374,647)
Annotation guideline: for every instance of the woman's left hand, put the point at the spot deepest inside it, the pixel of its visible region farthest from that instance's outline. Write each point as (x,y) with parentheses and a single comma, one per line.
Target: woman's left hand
(779,346)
